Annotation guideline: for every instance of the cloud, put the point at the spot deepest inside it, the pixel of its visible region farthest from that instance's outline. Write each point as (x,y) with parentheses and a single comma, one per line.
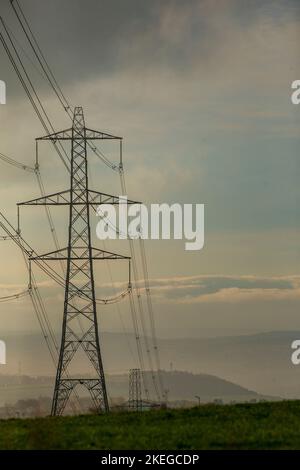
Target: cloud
(224,289)
(201,92)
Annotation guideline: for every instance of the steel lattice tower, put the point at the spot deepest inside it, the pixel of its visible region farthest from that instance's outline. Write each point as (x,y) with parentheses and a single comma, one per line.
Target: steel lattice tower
(79,237)
(135,390)
(80,324)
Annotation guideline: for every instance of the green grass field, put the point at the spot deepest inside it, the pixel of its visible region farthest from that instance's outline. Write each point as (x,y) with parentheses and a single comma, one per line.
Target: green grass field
(248,426)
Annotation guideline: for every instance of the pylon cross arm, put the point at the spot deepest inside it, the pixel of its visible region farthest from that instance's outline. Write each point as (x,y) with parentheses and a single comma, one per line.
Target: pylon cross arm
(60,198)
(90,134)
(85,134)
(63,198)
(79,253)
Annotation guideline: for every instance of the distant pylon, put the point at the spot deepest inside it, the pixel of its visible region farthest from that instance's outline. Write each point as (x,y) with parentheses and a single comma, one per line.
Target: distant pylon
(135,390)
(80,323)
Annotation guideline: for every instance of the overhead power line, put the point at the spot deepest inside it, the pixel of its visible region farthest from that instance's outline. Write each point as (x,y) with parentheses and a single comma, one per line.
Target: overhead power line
(30,90)
(40,56)
(15,163)
(39,108)
(50,77)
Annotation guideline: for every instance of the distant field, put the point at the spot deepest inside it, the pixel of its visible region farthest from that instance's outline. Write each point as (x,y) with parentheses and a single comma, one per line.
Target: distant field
(246,426)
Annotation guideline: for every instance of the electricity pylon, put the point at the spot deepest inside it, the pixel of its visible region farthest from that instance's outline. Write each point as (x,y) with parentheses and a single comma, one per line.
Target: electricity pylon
(135,390)
(80,323)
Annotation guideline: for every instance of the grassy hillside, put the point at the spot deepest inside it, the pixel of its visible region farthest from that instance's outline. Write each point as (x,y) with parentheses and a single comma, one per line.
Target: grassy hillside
(247,426)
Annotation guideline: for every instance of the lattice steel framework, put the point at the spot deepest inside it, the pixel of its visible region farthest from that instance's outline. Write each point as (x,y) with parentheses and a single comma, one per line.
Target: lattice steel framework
(135,390)
(80,323)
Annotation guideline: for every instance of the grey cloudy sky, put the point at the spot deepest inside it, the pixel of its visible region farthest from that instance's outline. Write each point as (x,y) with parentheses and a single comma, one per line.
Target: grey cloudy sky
(200,90)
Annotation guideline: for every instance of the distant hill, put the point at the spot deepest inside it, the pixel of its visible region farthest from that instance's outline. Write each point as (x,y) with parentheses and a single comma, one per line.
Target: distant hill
(181,386)
(185,385)
(259,362)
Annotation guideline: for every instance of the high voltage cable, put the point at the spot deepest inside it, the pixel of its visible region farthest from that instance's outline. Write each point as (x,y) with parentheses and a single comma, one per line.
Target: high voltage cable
(46,69)
(27,89)
(19,165)
(26,53)
(151,313)
(15,163)
(48,213)
(54,85)
(142,318)
(138,295)
(60,279)
(55,239)
(50,77)
(6,48)
(33,290)
(19,295)
(35,296)
(5,238)
(159,389)
(43,320)
(135,327)
(138,345)
(117,306)
(148,294)
(51,272)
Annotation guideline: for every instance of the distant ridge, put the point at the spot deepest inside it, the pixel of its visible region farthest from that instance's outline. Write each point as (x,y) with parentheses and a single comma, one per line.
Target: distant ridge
(260,362)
